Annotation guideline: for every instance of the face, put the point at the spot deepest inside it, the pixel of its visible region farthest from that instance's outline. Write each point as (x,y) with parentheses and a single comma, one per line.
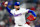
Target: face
(16,7)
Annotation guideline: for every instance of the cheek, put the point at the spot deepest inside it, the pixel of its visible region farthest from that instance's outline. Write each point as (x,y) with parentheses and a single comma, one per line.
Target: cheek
(17,7)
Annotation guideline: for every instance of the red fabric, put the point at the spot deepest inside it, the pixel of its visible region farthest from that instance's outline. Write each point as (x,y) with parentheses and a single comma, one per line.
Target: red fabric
(0,25)
(31,18)
(0,8)
(10,20)
(33,8)
(3,3)
(27,23)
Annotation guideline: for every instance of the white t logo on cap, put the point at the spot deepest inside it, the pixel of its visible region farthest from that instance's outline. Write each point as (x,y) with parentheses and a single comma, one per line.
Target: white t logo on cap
(17,2)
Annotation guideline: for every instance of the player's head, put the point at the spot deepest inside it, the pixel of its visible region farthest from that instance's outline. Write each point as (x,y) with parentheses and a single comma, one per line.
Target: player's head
(17,5)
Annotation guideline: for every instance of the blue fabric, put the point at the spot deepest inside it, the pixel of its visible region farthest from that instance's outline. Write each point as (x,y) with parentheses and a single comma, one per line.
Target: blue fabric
(17,3)
(8,9)
(9,4)
(37,25)
(32,13)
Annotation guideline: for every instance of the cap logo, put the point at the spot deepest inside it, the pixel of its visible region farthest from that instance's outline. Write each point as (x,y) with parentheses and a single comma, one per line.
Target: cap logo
(17,2)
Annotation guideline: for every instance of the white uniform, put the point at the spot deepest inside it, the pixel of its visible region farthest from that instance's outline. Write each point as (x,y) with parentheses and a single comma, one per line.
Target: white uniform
(19,17)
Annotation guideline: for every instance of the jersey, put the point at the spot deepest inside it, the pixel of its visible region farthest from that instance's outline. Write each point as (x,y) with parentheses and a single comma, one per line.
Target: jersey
(19,15)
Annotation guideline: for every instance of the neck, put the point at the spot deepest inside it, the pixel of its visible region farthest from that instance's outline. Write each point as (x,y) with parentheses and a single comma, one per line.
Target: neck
(17,9)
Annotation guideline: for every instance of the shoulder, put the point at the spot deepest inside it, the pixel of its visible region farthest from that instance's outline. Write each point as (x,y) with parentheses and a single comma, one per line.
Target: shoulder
(27,9)
(24,9)
(12,10)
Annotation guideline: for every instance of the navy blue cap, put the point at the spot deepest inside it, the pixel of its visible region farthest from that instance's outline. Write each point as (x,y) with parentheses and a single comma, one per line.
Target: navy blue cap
(17,3)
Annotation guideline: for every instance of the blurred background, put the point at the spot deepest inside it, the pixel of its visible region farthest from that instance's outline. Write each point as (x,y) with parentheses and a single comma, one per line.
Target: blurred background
(6,20)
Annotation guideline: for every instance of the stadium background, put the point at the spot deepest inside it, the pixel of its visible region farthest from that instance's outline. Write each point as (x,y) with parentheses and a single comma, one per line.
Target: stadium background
(6,20)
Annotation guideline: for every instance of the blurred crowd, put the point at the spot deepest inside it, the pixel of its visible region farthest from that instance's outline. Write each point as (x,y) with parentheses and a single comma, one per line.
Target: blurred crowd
(6,20)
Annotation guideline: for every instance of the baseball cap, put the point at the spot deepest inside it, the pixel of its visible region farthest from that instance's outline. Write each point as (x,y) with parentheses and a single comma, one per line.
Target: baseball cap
(17,3)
